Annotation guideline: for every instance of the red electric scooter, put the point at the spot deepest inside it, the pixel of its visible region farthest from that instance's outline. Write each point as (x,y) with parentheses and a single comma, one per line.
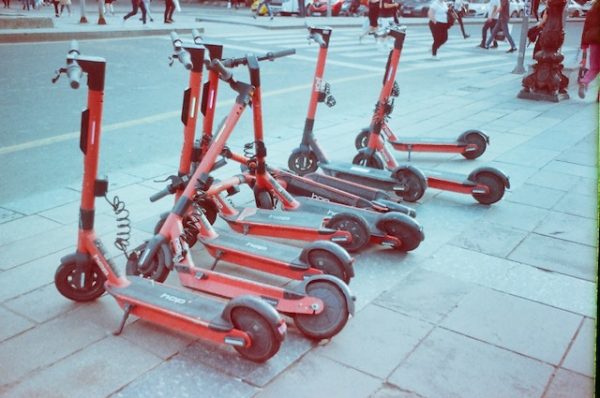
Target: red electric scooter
(486,184)
(392,229)
(320,305)
(247,323)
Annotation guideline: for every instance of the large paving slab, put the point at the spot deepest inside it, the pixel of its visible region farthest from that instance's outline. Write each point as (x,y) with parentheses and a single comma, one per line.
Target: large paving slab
(443,366)
(578,358)
(425,295)
(566,384)
(557,255)
(492,239)
(561,291)
(96,371)
(317,376)
(520,325)
(376,341)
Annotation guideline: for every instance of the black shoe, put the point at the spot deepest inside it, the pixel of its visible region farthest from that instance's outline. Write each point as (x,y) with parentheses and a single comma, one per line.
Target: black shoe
(512,50)
(495,45)
(466,36)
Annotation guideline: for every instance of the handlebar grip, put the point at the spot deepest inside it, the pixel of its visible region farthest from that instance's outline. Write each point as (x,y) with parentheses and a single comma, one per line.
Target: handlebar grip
(74,74)
(223,72)
(318,38)
(175,38)
(74,47)
(278,54)
(196,35)
(185,59)
(160,194)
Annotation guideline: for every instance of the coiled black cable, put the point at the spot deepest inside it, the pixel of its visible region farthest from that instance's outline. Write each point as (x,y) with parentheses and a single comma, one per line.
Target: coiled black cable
(123,224)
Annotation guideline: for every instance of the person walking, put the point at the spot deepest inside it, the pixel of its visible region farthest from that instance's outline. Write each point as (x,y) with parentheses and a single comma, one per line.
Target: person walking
(590,41)
(65,4)
(56,11)
(148,13)
(373,18)
(266,3)
(503,18)
(459,12)
(438,24)
(169,10)
(135,5)
(490,23)
(6,3)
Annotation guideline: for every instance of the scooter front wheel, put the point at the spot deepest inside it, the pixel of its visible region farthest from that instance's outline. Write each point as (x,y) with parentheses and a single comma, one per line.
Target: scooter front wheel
(328,263)
(264,343)
(410,235)
(80,287)
(411,186)
(303,163)
(331,320)
(354,224)
(374,161)
(495,186)
(361,139)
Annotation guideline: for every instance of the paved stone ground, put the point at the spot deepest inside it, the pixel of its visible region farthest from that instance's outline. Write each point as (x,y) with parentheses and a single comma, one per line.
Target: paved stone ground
(499,301)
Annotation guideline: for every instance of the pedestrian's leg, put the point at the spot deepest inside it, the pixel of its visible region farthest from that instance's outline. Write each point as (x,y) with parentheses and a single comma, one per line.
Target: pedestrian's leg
(134,10)
(55,4)
(484,30)
(142,6)
(461,24)
(594,69)
(508,36)
(434,34)
(493,34)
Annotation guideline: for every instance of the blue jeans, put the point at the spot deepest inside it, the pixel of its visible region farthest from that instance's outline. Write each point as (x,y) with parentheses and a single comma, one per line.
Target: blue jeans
(502,24)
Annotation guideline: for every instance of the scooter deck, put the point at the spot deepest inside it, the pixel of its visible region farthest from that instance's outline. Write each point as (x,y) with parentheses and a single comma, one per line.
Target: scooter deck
(380,179)
(277,218)
(257,248)
(145,292)
(435,175)
(426,141)
(365,192)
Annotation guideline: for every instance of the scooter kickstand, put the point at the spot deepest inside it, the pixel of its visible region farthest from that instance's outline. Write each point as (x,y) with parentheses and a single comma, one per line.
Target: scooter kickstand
(127,310)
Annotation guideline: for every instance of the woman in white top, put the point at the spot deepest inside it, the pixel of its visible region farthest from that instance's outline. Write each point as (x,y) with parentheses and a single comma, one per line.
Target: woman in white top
(438,24)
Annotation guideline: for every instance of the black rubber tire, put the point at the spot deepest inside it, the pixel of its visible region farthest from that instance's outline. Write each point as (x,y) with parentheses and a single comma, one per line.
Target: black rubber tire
(157,263)
(478,140)
(357,227)
(495,185)
(361,139)
(63,279)
(303,163)
(328,263)
(364,160)
(414,189)
(263,199)
(410,236)
(331,320)
(264,342)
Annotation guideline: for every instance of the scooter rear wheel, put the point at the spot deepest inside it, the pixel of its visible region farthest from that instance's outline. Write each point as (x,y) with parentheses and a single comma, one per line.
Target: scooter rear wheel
(65,281)
(264,342)
(331,320)
(156,270)
(374,161)
(495,186)
(328,263)
(357,227)
(361,139)
(303,163)
(479,141)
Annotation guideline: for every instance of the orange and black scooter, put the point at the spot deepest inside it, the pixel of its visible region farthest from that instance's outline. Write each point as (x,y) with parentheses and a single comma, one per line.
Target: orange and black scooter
(485,184)
(247,323)
(320,304)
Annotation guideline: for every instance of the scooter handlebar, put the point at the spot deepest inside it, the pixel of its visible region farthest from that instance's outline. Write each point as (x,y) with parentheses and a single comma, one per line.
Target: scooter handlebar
(161,194)
(270,56)
(221,68)
(196,35)
(180,53)
(74,74)
(317,38)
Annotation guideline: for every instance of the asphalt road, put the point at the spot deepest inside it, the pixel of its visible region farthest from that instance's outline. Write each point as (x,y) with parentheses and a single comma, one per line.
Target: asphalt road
(40,120)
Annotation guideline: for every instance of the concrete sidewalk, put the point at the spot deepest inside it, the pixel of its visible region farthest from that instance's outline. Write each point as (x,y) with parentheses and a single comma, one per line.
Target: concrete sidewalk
(498,301)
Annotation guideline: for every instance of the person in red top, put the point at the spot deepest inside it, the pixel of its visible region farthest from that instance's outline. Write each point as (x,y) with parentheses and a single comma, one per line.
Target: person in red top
(590,40)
